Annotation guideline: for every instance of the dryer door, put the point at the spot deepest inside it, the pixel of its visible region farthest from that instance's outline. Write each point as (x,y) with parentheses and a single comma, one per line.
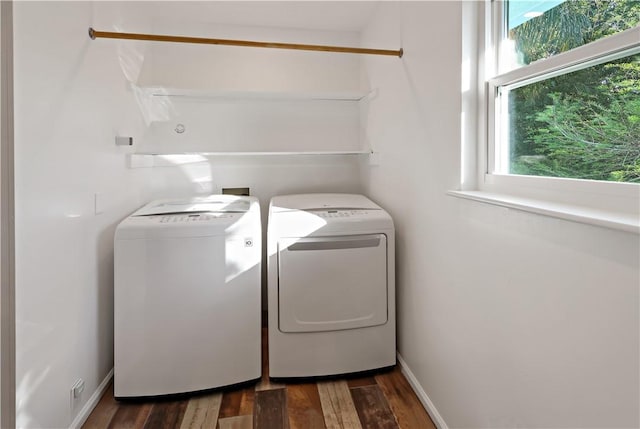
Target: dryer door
(332,283)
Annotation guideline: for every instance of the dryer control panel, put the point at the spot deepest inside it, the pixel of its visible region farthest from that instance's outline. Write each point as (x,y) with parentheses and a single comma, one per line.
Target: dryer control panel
(331,214)
(329,220)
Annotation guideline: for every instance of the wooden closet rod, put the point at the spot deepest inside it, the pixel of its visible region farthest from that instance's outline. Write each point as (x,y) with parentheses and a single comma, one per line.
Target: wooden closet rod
(182,39)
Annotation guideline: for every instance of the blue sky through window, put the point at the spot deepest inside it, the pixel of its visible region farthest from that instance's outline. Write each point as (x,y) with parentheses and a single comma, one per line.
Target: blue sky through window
(520,11)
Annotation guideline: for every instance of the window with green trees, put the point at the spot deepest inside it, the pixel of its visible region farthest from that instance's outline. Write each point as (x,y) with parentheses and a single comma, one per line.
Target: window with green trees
(582,122)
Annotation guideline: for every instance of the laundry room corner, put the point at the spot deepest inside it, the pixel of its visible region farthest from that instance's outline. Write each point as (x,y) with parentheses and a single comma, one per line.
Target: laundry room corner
(353,135)
(75,95)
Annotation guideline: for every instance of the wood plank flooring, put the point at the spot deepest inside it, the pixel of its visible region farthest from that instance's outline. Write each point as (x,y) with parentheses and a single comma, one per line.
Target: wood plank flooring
(383,400)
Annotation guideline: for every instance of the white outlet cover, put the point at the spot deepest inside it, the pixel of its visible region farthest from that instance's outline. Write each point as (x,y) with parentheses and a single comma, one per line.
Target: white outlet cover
(77,388)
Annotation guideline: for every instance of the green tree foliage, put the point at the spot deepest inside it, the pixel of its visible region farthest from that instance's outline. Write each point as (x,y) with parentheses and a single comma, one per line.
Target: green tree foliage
(584,124)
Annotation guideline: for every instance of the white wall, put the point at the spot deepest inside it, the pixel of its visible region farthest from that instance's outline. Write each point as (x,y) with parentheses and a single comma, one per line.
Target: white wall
(71,99)
(247,124)
(72,96)
(506,318)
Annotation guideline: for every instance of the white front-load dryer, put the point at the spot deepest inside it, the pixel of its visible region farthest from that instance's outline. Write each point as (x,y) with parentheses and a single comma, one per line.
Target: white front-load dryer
(187,296)
(331,285)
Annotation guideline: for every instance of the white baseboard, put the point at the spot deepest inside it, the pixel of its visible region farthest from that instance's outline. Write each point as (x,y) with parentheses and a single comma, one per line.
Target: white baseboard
(422,395)
(84,413)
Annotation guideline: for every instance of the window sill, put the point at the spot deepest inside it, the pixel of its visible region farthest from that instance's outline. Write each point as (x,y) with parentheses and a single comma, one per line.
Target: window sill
(614,220)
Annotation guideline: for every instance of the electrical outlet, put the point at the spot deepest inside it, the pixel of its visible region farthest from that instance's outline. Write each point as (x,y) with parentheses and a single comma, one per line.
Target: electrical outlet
(75,396)
(77,389)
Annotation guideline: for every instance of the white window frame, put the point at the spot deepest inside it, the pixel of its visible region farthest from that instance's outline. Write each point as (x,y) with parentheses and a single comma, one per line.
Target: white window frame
(600,198)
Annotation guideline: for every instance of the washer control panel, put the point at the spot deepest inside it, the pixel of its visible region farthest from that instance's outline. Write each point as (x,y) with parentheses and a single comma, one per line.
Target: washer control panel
(189,218)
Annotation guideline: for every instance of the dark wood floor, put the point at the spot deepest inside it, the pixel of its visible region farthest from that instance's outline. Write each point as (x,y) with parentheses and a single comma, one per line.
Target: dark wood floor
(381,400)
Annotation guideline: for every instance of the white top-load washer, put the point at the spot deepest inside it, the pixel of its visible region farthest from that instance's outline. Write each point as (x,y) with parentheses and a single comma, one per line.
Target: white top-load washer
(331,285)
(187,296)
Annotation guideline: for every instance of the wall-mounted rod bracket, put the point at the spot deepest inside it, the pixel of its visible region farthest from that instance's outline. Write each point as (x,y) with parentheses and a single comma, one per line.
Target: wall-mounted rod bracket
(93,34)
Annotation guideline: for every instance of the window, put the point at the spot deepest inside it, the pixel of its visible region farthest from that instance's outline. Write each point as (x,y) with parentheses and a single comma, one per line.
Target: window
(563,101)
(584,124)
(539,29)
(578,116)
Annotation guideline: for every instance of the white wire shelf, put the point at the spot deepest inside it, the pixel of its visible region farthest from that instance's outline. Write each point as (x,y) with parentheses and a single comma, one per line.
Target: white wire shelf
(257,95)
(153,159)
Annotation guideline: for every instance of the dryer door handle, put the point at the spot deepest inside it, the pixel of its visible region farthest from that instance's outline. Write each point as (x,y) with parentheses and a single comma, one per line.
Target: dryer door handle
(333,243)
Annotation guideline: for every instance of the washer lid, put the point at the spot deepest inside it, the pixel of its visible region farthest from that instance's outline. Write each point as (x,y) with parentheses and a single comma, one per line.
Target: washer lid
(228,215)
(310,202)
(210,204)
